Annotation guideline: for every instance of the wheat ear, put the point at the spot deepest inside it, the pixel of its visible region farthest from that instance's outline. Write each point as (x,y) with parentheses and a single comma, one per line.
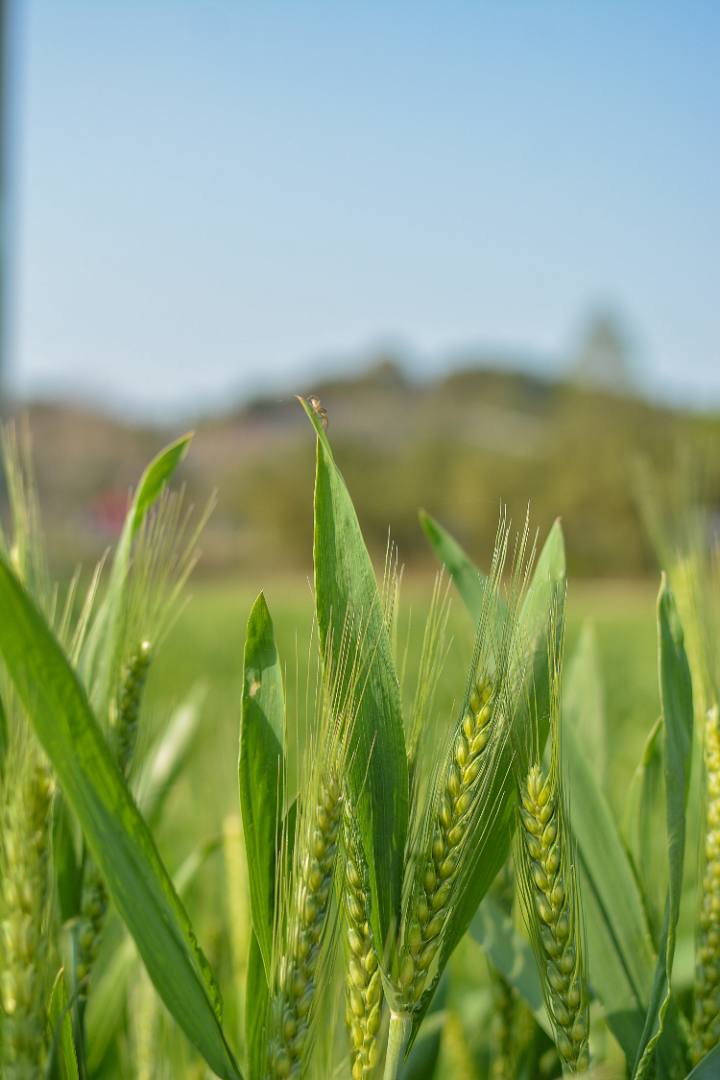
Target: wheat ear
(552,910)
(706,1013)
(363,982)
(25,894)
(438,869)
(307,920)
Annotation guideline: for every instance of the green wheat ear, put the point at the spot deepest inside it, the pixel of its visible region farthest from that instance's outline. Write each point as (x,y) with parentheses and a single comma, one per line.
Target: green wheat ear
(554,913)
(25,912)
(548,887)
(363,981)
(307,921)
(706,1014)
(441,864)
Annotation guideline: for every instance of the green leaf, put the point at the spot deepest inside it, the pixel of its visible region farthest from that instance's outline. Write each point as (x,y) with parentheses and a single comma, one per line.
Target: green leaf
(621,957)
(67,863)
(511,954)
(100,653)
(114,971)
(261,769)
(116,833)
(708,1068)
(677,710)
(468,580)
(642,820)
(584,699)
(63,1063)
(347,599)
(620,954)
(257,1004)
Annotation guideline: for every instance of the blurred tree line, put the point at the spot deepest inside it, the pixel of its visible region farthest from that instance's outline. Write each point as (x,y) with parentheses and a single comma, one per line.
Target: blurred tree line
(457,446)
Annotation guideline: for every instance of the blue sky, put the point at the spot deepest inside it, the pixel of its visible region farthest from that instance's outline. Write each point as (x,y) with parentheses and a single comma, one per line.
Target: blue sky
(218,197)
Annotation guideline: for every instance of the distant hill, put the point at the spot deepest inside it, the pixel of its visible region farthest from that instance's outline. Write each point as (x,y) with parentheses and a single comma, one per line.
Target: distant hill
(457,446)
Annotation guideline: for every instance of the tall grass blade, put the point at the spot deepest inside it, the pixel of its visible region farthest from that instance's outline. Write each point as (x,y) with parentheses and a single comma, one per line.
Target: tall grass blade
(257,1006)
(641,821)
(468,580)
(103,641)
(261,770)
(114,829)
(677,710)
(348,601)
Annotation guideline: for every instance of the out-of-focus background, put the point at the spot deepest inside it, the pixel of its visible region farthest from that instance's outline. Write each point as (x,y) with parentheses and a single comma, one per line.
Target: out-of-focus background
(485,235)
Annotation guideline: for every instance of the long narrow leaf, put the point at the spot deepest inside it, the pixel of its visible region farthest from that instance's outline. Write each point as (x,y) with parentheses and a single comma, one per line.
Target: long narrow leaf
(257,1003)
(261,769)
(620,949)
(115,831)
(643,817)
(677,710)
(348,601)
(468,580)
(100,651)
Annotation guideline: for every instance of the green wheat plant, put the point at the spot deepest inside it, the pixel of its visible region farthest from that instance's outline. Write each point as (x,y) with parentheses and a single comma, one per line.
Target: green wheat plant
(391,849)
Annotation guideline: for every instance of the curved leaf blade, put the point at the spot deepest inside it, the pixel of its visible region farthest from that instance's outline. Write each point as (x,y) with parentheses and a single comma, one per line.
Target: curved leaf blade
(102,643)
(116,833)
(467,578)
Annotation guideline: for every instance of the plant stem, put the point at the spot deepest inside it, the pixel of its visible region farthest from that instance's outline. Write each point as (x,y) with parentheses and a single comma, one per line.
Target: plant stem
(400,1026)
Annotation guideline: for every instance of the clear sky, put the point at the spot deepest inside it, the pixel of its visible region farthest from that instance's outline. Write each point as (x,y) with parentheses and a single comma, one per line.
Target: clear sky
(219,196)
